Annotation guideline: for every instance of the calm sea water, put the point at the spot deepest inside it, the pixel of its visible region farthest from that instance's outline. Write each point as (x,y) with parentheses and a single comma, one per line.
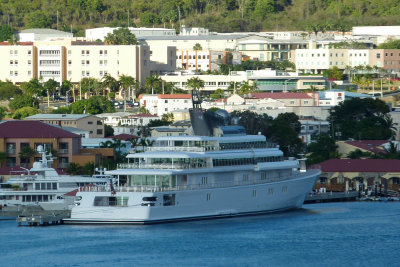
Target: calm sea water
(332,234)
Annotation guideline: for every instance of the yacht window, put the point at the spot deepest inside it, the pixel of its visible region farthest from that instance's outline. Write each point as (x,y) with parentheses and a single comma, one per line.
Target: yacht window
(37,186)
(169,200)
(149,199)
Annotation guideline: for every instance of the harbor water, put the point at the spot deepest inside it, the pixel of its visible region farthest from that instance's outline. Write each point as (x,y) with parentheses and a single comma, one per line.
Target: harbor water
(328,234)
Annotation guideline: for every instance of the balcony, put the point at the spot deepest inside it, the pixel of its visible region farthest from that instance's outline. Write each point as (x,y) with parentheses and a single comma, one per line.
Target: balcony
(63,151)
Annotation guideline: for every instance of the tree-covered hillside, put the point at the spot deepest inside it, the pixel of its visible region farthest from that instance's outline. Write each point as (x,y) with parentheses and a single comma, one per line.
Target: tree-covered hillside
(217,15)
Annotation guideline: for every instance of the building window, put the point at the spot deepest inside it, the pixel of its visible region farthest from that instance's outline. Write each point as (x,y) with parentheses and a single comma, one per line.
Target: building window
(90,122)
(99,131)
(378,55)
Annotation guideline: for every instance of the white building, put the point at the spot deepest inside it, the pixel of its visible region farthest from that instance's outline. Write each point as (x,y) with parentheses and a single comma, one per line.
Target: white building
(33,35)
(376,30)
(193,31)
(317,60)
(113,119)
(206,60)
(165,103)
(100,33)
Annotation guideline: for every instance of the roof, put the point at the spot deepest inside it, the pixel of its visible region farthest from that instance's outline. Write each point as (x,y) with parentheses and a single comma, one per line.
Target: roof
(44,116)
(360,165)
(197,37)
(174,96)
(280,95)
(124,137)
(32,129)
(44,31)
(370,145)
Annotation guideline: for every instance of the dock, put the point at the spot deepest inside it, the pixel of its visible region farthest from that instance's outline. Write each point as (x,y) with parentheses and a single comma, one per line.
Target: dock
(37,220)
(332,197)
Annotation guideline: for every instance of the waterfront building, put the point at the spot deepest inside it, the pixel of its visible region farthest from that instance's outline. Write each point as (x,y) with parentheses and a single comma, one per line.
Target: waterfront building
(353,174)
(88,122)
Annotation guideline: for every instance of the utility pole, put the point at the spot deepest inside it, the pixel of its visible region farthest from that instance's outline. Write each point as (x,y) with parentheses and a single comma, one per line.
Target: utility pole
(128,18)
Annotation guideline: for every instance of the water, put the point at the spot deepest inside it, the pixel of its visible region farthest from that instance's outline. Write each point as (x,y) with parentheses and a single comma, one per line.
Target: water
(331,234)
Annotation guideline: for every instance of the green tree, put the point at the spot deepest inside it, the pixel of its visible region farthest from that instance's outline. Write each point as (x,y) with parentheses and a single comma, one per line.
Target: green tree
(24,112)
(197,47)
(361,119)
(32,88)
(126,83)
(110,83)
(3,112)
(195,83)
(333,73)
(39,19)
(153,84)
(9,90)
(26,154)
(322,149)
(21,101)
(65,87)
(121,36)
(390,44)
(108,130)
(51,86)
(94,105)
(74,169)
(6,32)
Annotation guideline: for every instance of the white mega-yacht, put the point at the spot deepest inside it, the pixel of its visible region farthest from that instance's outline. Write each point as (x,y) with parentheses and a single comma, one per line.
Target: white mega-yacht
(41,186)
(220,173)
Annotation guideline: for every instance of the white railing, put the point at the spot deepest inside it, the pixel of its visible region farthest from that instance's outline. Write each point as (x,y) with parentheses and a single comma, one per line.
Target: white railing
(63,151)
(158,166)
(149,188)
(178,148)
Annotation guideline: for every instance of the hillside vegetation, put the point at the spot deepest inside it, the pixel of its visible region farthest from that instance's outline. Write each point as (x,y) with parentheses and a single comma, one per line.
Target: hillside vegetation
(217,15)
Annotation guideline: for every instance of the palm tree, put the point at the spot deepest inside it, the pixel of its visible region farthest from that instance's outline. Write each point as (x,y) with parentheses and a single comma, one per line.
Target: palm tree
(67,86)
(3,158)
(126,82)
(26,154)
(153,83)
(195,83)
(111,83)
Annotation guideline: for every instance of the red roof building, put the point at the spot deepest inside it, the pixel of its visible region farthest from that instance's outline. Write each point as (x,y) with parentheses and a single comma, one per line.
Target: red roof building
(347,174)
(16,135)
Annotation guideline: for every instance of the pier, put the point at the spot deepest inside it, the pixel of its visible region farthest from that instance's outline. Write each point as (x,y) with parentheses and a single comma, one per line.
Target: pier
(37,220)
(331,197)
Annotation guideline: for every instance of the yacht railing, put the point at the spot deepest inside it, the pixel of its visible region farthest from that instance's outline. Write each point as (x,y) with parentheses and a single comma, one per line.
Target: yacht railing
(159,166)
(179,148)
(151,188)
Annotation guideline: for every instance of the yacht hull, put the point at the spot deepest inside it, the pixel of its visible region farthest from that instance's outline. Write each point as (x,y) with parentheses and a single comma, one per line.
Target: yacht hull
(196,204)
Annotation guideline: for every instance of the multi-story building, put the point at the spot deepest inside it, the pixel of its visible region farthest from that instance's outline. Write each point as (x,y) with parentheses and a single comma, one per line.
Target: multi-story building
(315,61)
(73,60)
(387,59)
(206,60)
(93,124)
(165,103)
(33,35)
(18,62)
(15,135)
(127,119)
(265,49)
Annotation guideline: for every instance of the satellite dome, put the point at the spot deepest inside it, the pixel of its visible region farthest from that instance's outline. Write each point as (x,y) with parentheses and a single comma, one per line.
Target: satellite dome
(223,114)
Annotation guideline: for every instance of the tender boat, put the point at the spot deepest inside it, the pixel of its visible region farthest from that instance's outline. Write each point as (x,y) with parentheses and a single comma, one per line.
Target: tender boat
(42,186)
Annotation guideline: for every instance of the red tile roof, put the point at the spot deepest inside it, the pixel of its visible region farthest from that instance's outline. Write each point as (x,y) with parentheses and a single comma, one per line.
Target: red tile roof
(174,96)
(360,165)
(370,145)
(123,137)
(32,129)
(143,115)
(281,95)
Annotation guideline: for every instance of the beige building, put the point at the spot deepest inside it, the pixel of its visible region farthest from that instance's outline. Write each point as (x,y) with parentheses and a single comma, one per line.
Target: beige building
(206,60)
(91,123)
(18,62)
(73,60)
